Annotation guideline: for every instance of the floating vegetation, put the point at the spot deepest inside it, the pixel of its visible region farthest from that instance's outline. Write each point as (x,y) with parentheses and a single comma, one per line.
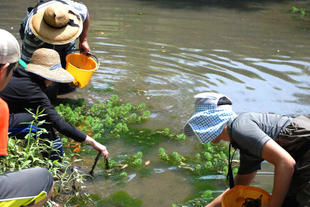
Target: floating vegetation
(301,11)
(200,201)
(113,120)
(212,159)
(145,139)
(108,119)
(120,164)
(117,199)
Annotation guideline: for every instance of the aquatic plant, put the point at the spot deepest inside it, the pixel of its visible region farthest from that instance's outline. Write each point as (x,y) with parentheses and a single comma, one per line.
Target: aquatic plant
(200,201)
(212,159)
(117,199)
(301,11)
(110,118)
(27,153)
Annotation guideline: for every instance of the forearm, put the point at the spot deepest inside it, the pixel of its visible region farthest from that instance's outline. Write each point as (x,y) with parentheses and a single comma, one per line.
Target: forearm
(97,146)
(217,202)
(89,140)
(282,179)
(83,35)
(284,165)
(239,180)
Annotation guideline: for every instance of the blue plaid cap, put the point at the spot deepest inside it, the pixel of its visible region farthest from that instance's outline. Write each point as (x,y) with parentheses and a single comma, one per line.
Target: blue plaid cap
(212,112)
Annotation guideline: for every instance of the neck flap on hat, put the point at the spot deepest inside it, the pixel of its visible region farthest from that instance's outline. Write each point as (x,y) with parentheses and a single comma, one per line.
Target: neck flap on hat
(208,121)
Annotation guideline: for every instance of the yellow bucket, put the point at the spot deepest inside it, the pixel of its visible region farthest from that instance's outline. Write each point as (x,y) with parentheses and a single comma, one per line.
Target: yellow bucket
(81,68)
(236,196)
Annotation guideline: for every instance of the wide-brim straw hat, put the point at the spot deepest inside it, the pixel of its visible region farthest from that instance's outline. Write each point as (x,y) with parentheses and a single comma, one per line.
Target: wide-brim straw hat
(46,63)
(57,24)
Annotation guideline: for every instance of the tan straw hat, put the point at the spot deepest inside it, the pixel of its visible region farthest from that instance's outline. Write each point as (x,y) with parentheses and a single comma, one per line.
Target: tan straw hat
(58,24)
(46,63)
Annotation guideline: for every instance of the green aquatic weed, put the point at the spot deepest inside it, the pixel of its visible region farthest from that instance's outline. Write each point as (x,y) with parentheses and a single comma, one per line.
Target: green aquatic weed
(117,199)
(301,11)
(212,159)
(200,201)
(163,155)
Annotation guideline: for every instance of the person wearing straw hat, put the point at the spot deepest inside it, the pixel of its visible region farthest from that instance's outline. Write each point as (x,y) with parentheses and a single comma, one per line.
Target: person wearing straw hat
(281,140)
(26,90)
(55,25)
(29,187)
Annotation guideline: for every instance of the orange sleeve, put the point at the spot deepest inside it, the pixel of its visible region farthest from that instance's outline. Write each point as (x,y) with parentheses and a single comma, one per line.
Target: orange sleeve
(4,126)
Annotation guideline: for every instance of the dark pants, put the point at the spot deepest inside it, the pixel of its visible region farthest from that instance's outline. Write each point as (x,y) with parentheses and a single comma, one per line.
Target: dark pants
(19,126)
(295,139)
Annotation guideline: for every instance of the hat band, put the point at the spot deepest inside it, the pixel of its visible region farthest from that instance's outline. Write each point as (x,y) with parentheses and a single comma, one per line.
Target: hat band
(70,22)
(76,15)
(55,66)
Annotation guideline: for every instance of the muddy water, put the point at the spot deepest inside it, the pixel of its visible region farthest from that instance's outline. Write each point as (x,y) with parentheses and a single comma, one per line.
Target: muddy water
(163,52)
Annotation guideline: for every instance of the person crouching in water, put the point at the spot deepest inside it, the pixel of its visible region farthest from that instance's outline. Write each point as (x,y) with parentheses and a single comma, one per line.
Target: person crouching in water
(26,90)
(281,140)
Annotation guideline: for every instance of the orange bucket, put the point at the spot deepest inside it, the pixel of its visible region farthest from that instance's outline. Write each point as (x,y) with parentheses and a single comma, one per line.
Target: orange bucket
(81,68)
(236,196)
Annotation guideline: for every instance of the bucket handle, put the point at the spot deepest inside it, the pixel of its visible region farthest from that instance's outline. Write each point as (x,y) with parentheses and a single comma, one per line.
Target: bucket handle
(90,54)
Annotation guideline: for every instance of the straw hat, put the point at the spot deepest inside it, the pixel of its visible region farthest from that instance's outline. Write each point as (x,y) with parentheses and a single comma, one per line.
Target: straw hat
(46,63)
(58,24)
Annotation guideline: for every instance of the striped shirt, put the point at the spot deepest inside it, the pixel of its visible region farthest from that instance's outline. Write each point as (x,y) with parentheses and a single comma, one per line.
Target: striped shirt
(31,42)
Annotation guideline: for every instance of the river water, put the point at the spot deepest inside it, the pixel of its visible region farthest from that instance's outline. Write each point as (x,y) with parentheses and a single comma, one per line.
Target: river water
(163,52)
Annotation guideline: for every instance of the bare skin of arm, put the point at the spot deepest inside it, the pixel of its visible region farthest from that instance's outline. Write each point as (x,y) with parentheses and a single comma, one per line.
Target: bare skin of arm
(97,146)
(239,180)
(83,37)
(284,169)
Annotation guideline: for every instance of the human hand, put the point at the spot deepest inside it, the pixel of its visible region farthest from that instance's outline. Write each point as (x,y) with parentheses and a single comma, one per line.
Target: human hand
(97,146)
(84,46)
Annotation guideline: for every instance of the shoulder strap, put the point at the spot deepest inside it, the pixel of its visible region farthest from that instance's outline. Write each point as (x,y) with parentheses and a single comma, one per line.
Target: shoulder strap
(230,175)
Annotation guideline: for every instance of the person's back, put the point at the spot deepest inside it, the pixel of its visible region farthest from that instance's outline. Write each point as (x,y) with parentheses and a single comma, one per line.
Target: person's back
(64,42)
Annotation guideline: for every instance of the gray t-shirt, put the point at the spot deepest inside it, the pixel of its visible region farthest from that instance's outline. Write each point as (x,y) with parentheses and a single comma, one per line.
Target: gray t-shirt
(250,131)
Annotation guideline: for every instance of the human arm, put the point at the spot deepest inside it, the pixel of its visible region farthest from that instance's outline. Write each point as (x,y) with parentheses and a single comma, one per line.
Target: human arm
(284,169)
(65,128)
(97,146)
(84,46)
(239,180)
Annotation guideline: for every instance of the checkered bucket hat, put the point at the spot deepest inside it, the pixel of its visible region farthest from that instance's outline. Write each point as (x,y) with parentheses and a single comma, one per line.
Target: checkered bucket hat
(212,112)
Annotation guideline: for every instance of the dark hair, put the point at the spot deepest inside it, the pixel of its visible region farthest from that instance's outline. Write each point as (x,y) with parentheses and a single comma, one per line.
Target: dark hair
(224,101)
(10,67)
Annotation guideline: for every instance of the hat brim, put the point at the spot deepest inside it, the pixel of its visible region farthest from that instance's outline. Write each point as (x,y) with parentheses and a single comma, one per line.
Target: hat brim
(58,75)
(188,131)
(56,36)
